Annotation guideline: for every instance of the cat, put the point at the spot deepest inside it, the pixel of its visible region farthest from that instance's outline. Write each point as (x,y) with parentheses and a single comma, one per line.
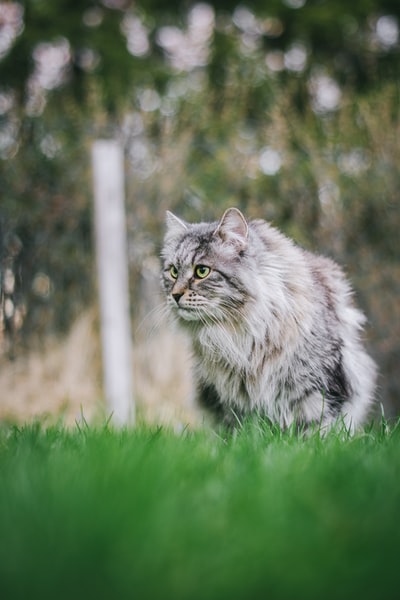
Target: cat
(273,327)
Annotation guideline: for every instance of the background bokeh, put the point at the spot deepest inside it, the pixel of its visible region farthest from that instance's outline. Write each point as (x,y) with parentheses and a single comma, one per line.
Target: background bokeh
(288,109)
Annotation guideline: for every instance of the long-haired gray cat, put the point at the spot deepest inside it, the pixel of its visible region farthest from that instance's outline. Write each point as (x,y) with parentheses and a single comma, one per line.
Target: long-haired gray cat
(273,327)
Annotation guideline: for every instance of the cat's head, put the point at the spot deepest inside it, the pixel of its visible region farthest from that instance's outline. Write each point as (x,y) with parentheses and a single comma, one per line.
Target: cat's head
(201,267)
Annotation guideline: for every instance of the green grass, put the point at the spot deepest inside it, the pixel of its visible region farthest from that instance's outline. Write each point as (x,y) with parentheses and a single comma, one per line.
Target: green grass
(151,514)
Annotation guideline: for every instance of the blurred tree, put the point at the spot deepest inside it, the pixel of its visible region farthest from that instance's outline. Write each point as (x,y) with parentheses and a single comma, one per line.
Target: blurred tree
(116,41)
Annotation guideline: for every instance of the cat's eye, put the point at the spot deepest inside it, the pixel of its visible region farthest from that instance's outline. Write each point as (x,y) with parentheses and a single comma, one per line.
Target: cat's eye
(173,271)
(201,271)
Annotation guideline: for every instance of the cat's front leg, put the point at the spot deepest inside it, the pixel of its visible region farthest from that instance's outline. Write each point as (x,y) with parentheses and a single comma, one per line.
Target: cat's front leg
(209,399)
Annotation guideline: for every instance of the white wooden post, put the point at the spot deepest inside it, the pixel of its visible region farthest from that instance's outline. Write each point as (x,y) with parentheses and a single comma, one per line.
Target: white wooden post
(112,269)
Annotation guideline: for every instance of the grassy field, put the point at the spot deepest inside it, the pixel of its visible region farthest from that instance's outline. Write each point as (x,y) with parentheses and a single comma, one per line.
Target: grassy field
(94,513)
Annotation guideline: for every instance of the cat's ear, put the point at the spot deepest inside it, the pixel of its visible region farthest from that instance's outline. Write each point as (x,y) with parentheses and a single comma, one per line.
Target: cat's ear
(233,228)
(174,226)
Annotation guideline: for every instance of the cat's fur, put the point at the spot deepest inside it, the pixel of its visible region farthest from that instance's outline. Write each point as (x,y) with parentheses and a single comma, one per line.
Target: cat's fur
(273,327)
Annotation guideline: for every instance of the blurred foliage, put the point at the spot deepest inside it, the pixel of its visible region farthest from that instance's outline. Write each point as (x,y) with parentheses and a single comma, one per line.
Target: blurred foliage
(288,109)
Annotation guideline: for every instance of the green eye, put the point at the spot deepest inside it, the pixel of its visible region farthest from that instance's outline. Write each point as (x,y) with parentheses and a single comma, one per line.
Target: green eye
(173,271)
(201,271)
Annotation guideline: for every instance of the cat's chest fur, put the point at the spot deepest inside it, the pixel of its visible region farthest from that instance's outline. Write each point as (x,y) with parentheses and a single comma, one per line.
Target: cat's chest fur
(248,375)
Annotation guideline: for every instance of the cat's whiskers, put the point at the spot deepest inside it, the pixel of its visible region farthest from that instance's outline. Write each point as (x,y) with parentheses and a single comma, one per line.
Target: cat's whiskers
(241,323)
(156,317)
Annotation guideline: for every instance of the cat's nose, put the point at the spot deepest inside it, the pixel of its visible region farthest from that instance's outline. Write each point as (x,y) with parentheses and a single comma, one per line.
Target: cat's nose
(177,296)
